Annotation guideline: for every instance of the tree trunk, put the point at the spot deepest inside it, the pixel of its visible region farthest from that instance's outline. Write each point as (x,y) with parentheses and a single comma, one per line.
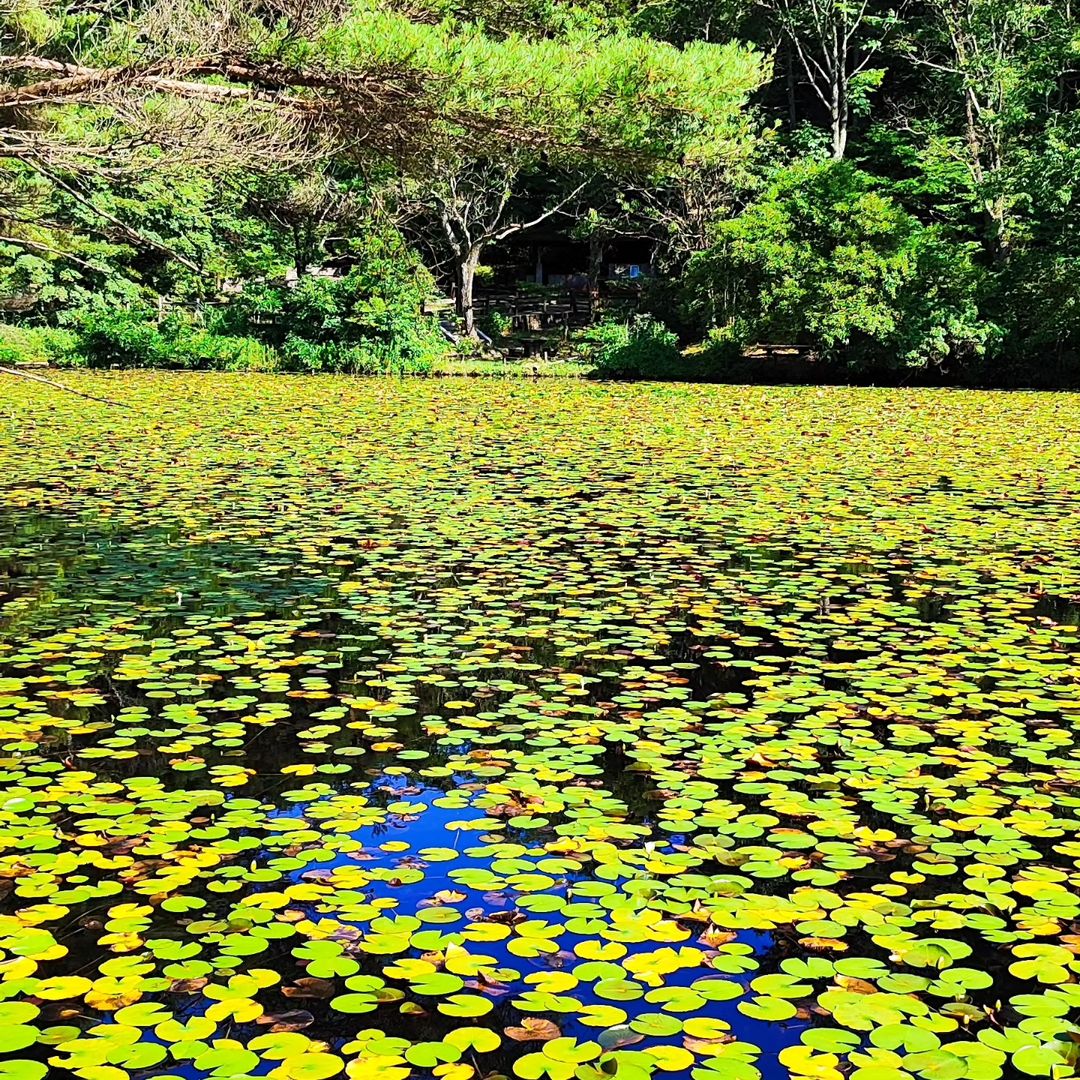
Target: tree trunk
(840,76)
(986,163)
(839,119)
(466,279)
(597,248)
(793,108)
(839,140)
(1000,248)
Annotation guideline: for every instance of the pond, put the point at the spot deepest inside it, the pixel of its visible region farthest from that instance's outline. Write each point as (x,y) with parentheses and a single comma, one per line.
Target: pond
(466,728)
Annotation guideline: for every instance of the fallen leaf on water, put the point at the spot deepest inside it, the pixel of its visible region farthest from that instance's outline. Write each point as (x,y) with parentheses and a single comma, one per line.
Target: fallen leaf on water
(533,1029)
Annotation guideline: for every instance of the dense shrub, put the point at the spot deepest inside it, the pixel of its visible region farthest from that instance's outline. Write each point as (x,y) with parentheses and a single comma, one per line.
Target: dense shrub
(368,320)
(34,345)
(366,358)
(124,339)
(823,259)
(640,348)
(133,339)
(496,324)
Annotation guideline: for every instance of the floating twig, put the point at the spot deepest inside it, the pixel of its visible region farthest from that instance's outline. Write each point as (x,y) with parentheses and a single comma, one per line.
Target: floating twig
(60,386)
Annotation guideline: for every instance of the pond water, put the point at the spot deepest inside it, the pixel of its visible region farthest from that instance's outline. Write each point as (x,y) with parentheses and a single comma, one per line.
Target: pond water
(493,728)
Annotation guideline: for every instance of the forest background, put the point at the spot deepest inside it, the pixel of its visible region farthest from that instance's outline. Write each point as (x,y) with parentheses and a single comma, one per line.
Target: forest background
(892,187)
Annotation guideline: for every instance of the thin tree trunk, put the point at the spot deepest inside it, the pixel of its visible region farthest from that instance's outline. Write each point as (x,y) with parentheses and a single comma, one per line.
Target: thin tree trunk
(596,260)
(839,137)
(793,109)
(1000,247)
(839,117)
(466,279)
(985,162)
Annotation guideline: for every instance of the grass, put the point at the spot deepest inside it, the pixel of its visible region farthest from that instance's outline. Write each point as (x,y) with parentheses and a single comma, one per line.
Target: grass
(511,368)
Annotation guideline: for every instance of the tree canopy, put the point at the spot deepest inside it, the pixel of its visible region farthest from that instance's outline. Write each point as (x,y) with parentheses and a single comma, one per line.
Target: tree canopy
(890,184)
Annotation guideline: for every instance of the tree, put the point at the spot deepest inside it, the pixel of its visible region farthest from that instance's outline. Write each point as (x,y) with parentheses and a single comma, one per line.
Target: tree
(824,259)
(620,105)
(473,203)
(997,62)
(85,241)
(836,42)
(1035,294)
(364,84)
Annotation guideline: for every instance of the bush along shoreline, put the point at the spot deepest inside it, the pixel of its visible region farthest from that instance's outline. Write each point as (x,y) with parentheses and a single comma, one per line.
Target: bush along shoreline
(637,349)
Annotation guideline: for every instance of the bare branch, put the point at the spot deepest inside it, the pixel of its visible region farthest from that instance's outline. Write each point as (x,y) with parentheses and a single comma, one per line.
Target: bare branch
(60,386)
(129,231)
(517,227)
(34,245)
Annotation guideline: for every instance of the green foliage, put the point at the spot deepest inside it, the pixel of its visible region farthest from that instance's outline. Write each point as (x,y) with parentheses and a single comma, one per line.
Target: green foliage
(131,339)
(497,324)
(641,348)
(168,233)
(401,356)
(126,339)
(946,240)
(1035,296)
(821,257)
(34,345)
(367,320)
(587,87)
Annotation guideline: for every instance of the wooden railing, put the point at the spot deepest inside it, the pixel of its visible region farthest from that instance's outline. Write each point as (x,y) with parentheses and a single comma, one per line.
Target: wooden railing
(535,312)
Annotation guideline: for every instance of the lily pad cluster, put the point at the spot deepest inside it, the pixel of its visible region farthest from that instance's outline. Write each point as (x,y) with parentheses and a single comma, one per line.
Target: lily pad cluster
(457,729)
